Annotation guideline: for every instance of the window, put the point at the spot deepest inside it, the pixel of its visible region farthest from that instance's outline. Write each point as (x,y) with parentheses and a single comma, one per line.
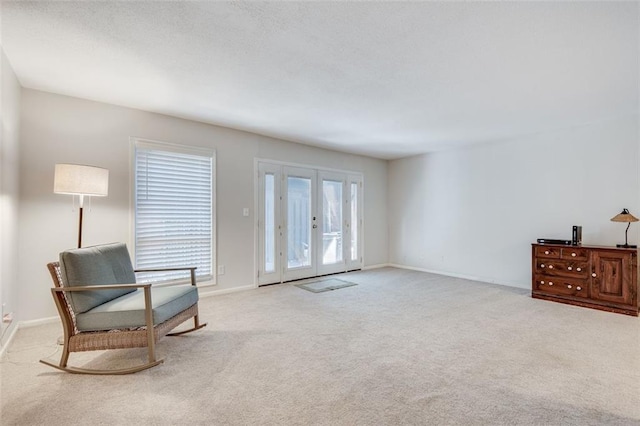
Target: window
(174,207)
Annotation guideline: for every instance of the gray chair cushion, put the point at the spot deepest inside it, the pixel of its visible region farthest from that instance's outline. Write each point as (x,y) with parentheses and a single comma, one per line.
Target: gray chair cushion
(128,310)
(103,264)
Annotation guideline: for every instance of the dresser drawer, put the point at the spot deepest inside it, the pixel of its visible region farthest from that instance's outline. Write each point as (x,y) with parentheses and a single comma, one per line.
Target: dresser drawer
(565,268)
(574,253)
(561,286)
(548,252)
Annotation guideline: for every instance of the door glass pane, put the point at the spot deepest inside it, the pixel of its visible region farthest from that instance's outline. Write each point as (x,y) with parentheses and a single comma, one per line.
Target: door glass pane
(354,221)
(299,220)
(331,222)
(269,224)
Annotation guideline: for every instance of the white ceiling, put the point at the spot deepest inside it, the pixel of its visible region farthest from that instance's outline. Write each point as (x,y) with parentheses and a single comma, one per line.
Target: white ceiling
(386,79)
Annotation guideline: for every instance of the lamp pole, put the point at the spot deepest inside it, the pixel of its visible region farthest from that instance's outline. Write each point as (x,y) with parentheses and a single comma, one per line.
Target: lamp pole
(80,220)
(626,241)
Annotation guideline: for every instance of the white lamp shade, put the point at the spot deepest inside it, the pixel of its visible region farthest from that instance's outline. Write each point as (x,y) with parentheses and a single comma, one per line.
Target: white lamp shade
(81,180)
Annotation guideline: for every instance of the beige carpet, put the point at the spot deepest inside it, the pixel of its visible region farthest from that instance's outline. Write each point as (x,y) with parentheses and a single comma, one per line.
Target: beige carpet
(401,347)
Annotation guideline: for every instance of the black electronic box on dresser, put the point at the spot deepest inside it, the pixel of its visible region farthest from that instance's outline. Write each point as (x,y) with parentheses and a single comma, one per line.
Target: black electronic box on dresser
(604,278)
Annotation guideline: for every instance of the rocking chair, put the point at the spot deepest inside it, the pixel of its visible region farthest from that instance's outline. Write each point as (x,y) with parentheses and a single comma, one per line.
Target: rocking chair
(101,306)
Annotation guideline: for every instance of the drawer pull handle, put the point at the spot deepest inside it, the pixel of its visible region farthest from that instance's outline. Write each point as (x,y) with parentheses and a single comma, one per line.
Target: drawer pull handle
(593,275)
(568,285)
(573,255)
(546,252)
(578,288)
(578,269)
(542,265)
(550,266)
(570,268)
(541,282)
(550,283)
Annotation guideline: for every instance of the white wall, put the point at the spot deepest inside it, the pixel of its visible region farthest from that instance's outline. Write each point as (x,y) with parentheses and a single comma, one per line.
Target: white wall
(474,211)
(9,187)
(58,129)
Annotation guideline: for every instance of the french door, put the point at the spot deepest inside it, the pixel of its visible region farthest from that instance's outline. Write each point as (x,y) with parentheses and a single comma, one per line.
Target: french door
(309,222)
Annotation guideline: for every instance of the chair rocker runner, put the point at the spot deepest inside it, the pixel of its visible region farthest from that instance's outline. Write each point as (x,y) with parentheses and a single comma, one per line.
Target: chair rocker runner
(101,306)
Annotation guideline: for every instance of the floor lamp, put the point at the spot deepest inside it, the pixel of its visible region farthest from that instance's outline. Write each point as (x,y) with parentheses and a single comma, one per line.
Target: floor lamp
(83,181)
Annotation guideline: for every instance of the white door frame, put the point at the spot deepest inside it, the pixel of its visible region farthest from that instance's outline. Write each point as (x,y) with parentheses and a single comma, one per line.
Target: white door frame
(354,260)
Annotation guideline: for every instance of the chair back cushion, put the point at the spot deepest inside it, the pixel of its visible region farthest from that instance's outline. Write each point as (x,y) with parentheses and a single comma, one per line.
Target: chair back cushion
(97,265)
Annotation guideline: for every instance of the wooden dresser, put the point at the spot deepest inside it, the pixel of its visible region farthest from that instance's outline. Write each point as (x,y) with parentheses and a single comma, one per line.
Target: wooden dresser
(596,277)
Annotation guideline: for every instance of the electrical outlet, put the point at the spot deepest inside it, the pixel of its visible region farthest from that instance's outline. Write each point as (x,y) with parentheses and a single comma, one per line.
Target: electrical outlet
(245,212)
(220,269)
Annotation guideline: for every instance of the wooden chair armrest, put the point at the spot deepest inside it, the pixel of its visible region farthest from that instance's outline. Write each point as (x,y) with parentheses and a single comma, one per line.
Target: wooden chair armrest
(100,287)
(191,269)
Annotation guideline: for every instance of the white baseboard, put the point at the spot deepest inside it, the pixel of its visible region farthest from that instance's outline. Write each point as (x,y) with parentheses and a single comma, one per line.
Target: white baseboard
(25,324)
(39,321)
(3,348)
(379,265)
(226,291)
(453,274)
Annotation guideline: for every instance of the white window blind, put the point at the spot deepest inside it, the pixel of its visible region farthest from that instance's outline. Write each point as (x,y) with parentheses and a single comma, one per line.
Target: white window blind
(174,198)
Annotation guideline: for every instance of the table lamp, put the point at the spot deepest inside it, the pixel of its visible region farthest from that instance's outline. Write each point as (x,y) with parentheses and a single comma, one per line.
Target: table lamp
(625,216)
